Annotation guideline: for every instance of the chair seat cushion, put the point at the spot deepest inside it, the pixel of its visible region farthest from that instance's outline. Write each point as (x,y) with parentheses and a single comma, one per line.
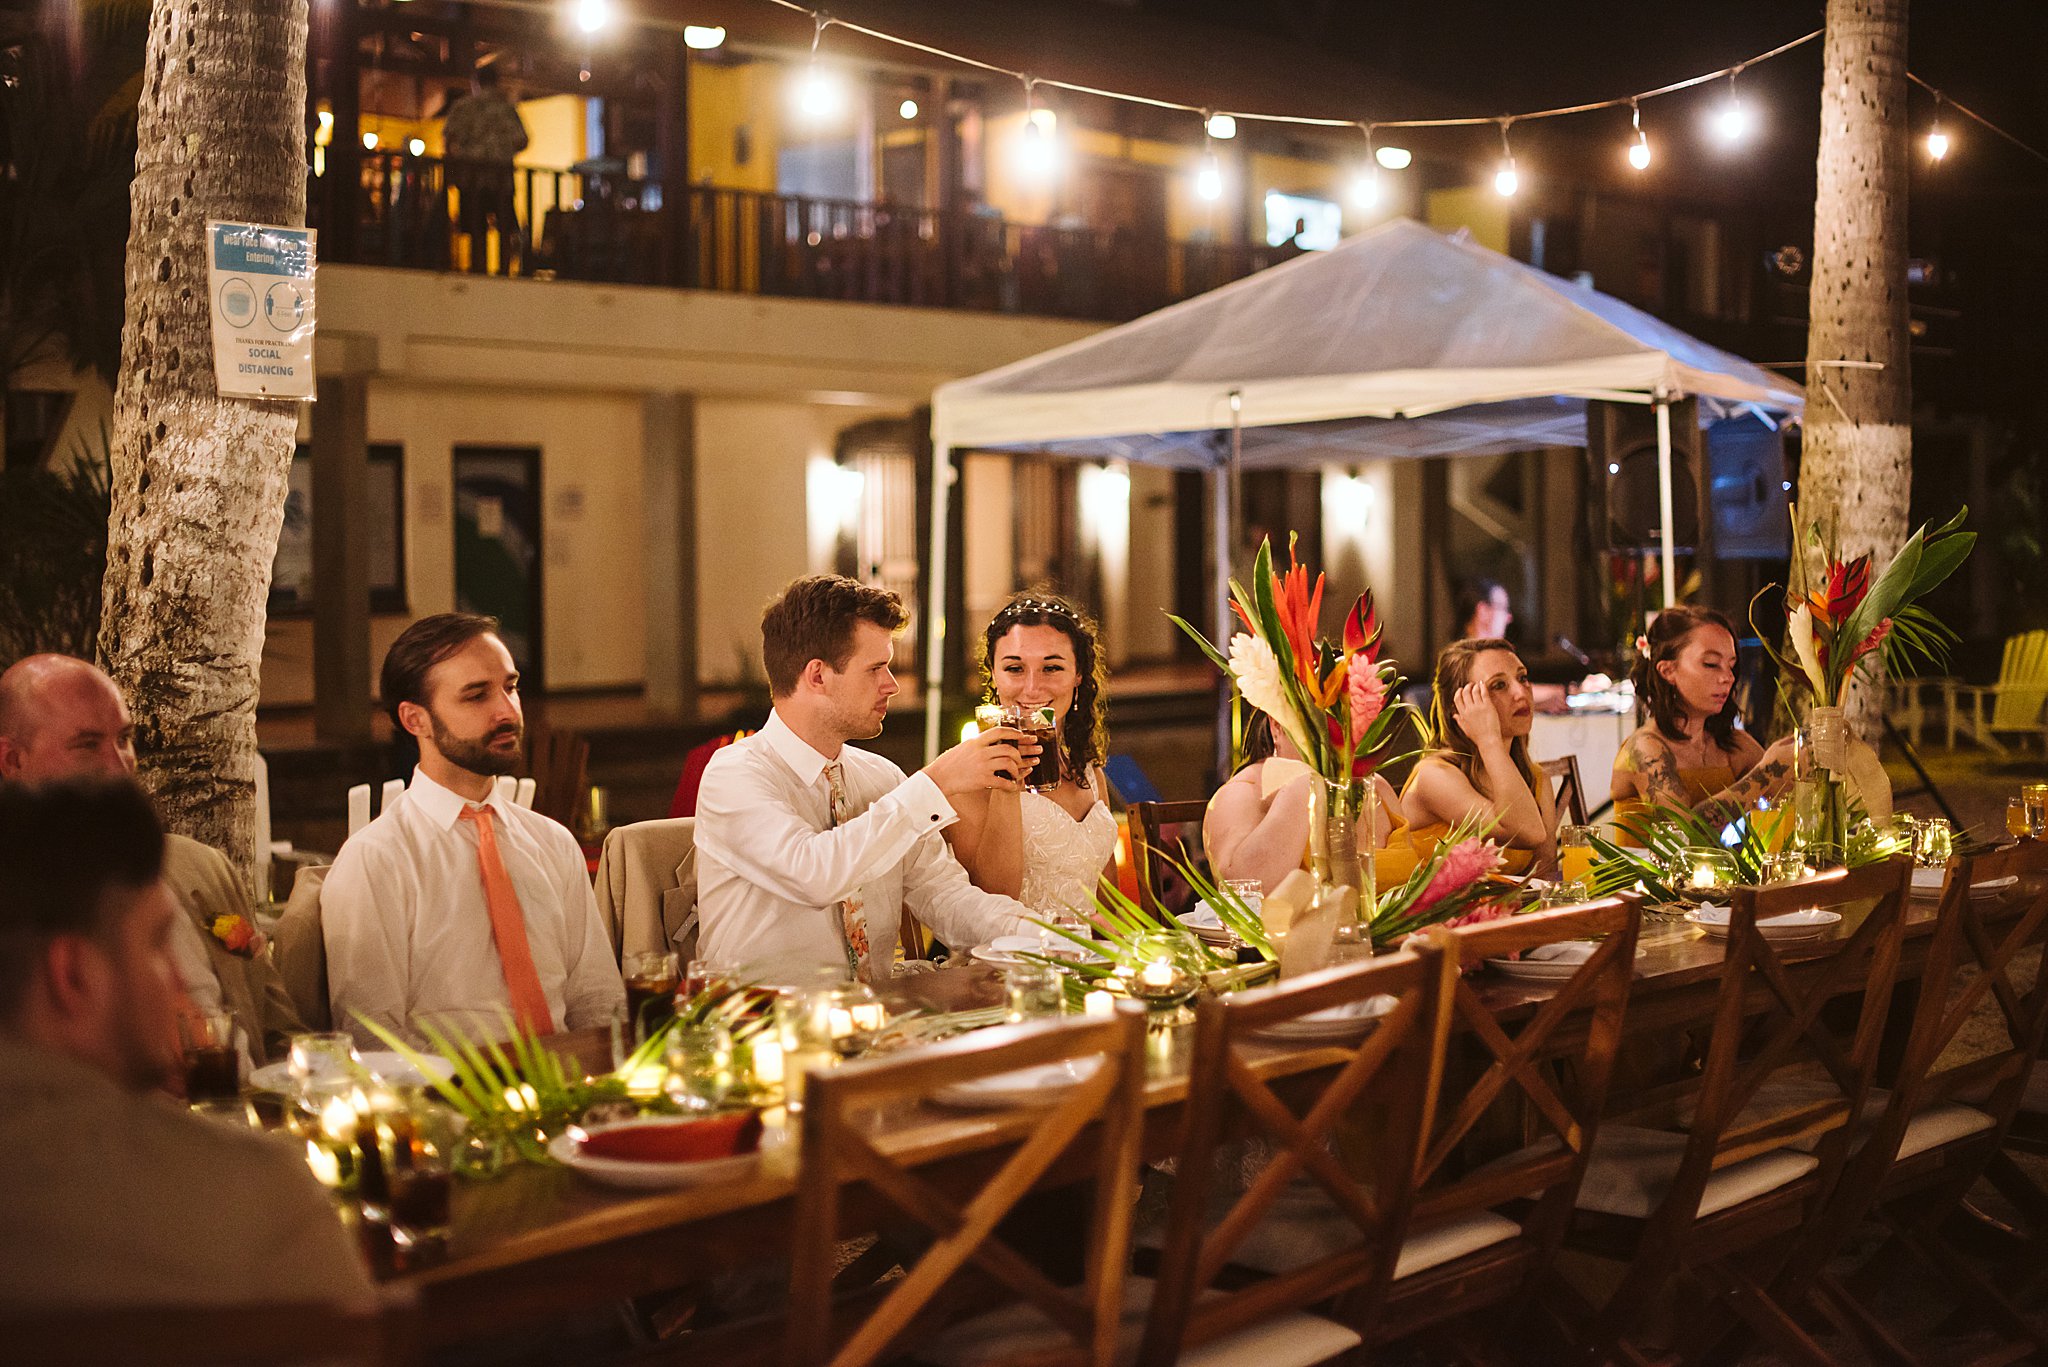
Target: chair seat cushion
(1631,1171)
(1292,1339)
(1933,1127)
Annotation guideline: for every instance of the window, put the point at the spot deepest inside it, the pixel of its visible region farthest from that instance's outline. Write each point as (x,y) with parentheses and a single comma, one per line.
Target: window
(291,574)
(1321,221)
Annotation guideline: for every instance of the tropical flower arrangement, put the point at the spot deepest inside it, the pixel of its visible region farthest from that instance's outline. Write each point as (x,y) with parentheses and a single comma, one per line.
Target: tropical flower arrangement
(1840,615)
(237,934)
(1330,700)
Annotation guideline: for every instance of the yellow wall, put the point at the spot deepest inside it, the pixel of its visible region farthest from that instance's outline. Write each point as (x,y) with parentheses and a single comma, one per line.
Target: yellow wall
(724,99)
(1475,207)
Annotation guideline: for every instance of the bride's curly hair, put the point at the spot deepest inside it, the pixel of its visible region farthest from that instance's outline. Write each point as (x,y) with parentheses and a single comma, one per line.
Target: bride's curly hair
(1084,731)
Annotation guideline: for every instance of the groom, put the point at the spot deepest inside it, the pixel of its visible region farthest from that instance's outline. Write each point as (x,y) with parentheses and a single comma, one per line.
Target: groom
(807,849)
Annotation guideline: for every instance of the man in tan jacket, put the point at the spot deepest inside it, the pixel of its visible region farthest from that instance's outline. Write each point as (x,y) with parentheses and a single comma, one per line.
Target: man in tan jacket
(114,1194)
(62,718)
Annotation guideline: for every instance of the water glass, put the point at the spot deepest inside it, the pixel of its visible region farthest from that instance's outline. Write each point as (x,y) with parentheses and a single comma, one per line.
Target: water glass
(2016,817)
(1249,891)
(1933,843)
(1034,990)
(323,1068)
(422,1153)
(1786,866)
(651,983)
(2036,796)
(700,1073)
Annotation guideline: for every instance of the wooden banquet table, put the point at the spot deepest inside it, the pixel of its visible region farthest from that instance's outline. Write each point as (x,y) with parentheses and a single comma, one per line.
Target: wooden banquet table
(537,1241)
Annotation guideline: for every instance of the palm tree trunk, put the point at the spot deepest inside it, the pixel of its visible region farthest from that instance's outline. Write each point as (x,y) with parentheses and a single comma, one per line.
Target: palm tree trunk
(199,481)
(1857,466)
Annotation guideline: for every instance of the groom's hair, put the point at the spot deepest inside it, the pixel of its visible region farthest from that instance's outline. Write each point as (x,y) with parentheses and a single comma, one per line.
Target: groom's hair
(813,619)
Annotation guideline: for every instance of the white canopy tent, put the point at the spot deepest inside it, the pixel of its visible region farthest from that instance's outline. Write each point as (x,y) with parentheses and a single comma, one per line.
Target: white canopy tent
(1399,342)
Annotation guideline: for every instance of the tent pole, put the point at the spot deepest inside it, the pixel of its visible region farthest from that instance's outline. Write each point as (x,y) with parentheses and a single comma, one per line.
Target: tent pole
(935,608)
(1666,533)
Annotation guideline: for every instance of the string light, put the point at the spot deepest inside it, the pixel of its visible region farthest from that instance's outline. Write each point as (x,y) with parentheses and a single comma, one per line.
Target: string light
(1365,190)
(1733,120)
(908,109)
(593,15)
(1394,158)
(1220,126)
(1039,158)
(417,147)
(1937,141)
(1209,180)
(817,94)
(369,142)
(1639,150)
(1505,181)
(703,37)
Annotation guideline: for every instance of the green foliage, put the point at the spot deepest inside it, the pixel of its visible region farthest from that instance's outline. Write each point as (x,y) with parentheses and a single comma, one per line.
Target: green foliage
(53,554)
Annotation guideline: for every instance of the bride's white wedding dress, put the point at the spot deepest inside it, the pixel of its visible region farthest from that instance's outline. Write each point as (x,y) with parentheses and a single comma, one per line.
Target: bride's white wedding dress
(1063,857)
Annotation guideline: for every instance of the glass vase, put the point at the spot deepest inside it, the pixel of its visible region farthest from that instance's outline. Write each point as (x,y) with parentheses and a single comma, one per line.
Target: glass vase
(1337,812)
(1820,795)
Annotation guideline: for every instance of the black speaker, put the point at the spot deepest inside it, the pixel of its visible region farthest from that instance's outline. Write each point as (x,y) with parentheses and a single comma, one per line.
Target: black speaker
(1621,447)
(1746,487)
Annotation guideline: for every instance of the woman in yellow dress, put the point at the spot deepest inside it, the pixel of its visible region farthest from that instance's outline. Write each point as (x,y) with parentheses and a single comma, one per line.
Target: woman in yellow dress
(1687,752)
(1257,823)
(1482,709)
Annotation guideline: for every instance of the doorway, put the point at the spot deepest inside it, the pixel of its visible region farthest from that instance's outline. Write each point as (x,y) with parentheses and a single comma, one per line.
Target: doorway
(497,547)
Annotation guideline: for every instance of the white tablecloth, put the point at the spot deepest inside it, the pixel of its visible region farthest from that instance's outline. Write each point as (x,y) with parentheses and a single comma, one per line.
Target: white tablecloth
(1594,737)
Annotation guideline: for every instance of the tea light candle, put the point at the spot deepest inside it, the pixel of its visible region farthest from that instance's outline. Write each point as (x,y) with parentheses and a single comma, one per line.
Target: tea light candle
(869,1016)
(644,1083)
(1098,1003)
(1703,876)
(840,1023)
(1158,973)
(326,1167)
(767,1061)
(338,1120)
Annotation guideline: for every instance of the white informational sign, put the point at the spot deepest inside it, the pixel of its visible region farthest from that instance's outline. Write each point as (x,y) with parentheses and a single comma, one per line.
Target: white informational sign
(260,282)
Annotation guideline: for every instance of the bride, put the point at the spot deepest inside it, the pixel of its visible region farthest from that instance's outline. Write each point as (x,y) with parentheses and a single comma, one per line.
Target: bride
(1047,849)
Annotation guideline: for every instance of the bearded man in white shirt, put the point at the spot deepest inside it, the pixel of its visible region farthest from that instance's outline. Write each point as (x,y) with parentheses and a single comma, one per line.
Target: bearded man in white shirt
(455,906)
(808,850)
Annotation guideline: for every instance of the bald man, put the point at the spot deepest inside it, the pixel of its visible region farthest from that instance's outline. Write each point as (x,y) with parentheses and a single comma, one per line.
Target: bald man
(61,718)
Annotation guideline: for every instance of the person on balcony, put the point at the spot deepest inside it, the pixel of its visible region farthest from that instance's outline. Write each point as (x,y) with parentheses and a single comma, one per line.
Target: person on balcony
(481,136)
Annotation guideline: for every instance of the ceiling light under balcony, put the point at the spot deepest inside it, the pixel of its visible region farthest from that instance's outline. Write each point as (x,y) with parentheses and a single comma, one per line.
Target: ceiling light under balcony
(703,37)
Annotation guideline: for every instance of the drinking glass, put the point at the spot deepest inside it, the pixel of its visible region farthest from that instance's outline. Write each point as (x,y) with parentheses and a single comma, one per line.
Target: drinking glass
(422,1155)
(2036,795)
(1575,857)
(699,1066)
(651,983)
(1933,843)
(1250,891)
(1034,990)
(212,1071)
(1041,724)
(2016,817)
(1786,866)
(323,1068)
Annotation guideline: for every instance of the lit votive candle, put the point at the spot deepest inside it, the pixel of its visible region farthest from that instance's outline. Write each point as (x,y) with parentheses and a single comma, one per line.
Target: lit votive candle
(869,1016)
(840,1022)
(644,1083)
(338,1120)
(1098,1003)
(326,1167)
(1158,973)
(767,1062)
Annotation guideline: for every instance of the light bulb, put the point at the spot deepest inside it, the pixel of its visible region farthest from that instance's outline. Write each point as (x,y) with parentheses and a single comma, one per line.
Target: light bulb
(1394,158)
(1222,126)
(703,37)
(417,147)
(1365,190)
(908,109)
(1209,180)
(1639,154)
(1732,121)
(592,15)
(369,142)
(1937,144)
(1038,155)
(1505,181)
(817,94)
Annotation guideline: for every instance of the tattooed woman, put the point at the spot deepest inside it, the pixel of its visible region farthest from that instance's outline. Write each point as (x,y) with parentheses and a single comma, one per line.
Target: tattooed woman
(1687,751)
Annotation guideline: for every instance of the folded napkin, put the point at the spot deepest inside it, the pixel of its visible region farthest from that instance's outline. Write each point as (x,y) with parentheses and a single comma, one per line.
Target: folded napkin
(1561,952)
(684,1141)
(1201,916)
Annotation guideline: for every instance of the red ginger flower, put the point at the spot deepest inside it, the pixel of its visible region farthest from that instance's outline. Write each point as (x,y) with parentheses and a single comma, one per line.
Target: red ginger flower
(1467,863)
(1847,585)
(1362,629)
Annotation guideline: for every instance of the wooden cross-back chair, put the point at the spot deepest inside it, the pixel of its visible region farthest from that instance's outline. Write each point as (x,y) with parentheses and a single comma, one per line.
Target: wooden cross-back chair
(386,1335)
(1568,794)
(840,1149)
(1945,1119)
(1390,1072)
(1710,1176)
(1162,827)
(1464,1253)
(559,762)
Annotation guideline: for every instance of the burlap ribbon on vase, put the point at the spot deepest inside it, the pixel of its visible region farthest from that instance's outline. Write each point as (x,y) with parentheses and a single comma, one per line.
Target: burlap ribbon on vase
(1850,759)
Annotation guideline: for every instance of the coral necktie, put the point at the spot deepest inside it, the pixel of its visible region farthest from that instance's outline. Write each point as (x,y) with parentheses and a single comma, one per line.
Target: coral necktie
(508,929)
(853,921)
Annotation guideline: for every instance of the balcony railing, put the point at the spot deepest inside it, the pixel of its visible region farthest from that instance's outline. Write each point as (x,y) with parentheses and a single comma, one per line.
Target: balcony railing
(408,211)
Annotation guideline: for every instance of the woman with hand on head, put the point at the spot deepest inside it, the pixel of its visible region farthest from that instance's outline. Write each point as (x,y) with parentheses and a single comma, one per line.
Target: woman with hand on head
(1257,823)
(1047,849)
(1687,752)
(1482,711)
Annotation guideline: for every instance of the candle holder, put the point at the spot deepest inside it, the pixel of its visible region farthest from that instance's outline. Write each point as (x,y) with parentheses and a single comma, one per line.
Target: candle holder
(1701,874)
(854,1016)
(1163,969)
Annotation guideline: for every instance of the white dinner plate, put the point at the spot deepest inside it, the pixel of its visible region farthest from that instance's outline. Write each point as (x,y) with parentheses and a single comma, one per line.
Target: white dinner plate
(1992,887)
(634,1174)
(1036,1086)
(1010,949)
(391,1067)
(1927,884)
(1793,925)
(1347,1021)
(1543,970)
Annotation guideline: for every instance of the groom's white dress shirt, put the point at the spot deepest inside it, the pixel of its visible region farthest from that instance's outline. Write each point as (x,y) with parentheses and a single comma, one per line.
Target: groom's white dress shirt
(772,868)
